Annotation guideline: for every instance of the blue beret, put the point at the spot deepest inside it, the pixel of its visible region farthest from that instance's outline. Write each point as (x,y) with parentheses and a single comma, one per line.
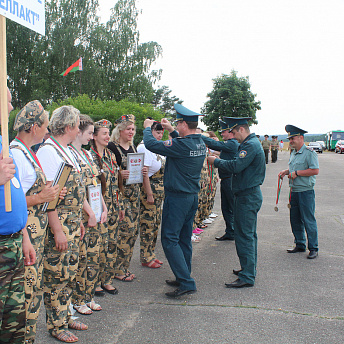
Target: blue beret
(232,122)
(294,131)
(184,114)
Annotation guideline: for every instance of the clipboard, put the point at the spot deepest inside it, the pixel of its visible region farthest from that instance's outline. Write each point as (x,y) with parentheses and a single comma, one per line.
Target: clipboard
(61,177)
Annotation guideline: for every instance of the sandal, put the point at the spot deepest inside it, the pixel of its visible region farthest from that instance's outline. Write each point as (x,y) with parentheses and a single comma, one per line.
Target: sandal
(77,325)
(94,306)
(128,277)
(113,291)
(202,226)
(152,264)
(158,261)
(83,309)
(65,336)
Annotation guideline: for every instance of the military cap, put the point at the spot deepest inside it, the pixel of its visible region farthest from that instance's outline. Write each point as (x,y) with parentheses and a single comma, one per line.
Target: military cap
(223,126)
(28,116)
(103,123)
(232,122)
(294,131)
(184,114)
(274,136)
(266,135)
(126,118)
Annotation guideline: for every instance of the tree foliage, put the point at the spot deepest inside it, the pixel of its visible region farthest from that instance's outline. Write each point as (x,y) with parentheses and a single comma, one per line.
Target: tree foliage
(231,97)
(116,65)
(164,101)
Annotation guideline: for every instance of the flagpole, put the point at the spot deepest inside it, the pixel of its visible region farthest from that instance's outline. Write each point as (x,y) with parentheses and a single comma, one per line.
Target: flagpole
(4,106)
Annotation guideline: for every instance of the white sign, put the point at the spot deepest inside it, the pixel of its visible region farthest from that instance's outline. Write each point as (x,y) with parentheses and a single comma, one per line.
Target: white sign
(29,13)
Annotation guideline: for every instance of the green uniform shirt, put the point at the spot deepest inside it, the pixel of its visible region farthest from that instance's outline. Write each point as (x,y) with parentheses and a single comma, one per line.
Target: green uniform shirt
(184,160)
(266,144)
(248,165)
(302,160)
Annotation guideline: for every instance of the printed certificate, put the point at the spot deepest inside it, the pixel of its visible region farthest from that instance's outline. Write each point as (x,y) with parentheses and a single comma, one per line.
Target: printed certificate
(95,200)
(135,163)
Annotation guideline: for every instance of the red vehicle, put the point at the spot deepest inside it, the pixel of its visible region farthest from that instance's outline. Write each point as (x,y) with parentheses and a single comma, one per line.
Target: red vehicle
(339,147)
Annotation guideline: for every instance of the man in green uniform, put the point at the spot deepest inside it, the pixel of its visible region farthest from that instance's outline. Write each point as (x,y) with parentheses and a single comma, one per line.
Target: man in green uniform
(228,148)
(303,167)
(248,170)
(185,154)
(274,148)
(266,146)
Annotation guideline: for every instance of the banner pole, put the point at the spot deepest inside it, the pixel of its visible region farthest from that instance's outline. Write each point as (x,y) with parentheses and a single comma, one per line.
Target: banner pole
(4,107)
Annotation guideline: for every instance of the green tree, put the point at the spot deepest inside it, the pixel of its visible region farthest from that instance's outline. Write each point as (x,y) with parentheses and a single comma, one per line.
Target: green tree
(164,101)
(231,97)
(116,65)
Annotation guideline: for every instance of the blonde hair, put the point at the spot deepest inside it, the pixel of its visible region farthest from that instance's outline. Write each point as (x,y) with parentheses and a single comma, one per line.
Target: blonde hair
(116,133)
(62,117)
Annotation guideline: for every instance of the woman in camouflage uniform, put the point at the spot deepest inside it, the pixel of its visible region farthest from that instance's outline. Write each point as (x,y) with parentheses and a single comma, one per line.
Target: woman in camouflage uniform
(31,124)
(107,166)
(86,277)
(61,251)
(122,144)
(152,195)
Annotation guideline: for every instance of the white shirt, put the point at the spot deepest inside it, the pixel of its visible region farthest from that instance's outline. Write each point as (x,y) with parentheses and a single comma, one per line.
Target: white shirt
(151,160)
(27,173)
(51,160)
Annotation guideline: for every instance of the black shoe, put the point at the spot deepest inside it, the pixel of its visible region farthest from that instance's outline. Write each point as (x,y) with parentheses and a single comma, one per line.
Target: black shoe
(99,293)
(178,292)
(236,272)
(173,283)
(224,237)
(110,291)
(312,254)
(296,249)
(238,284)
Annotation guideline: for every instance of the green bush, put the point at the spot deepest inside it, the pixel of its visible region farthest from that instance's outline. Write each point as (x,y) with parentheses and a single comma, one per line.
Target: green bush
(108,109)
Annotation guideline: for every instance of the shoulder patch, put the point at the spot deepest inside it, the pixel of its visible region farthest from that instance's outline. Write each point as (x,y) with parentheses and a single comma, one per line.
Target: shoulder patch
(168,143)
(242,154)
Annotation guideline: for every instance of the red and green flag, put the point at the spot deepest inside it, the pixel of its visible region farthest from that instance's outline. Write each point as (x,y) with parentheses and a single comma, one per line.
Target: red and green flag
(73,68)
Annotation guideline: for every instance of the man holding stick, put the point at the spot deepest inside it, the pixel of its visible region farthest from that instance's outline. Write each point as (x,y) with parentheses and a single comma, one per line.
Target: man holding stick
(14,243)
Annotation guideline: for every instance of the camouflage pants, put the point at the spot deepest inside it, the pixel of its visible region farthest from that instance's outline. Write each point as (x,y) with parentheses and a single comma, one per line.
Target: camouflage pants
(34,284)
(86,277)
(150,218)
(200,213)
(12,297)
(128,232)
(109,247)
(103,249)
(211,197)
(59,272)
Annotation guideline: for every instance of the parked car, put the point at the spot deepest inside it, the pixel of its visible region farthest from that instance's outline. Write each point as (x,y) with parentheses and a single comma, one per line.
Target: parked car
(315,146)
(339,147)
(322,144)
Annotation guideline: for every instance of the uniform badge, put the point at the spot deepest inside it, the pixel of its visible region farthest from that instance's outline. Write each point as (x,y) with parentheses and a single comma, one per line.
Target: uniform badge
(242,154)
(168,143)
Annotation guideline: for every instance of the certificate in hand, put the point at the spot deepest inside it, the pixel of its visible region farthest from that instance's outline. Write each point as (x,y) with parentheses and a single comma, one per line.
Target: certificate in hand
(95,200)
(135,165)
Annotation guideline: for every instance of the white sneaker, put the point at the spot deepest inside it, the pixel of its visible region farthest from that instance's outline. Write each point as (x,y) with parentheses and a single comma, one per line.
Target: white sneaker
(207,221)
(212,215)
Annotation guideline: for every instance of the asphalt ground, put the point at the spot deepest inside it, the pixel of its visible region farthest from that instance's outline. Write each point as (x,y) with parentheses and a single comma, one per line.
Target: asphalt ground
(294,300)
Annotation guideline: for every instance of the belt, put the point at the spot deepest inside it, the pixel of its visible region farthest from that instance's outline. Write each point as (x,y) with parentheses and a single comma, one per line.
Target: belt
(13,235)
